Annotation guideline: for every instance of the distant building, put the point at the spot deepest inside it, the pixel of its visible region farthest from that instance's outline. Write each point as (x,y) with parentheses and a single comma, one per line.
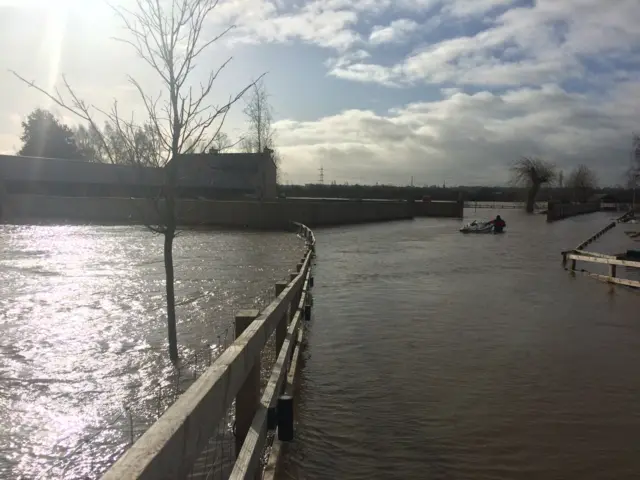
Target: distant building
(207,176)
(228,174)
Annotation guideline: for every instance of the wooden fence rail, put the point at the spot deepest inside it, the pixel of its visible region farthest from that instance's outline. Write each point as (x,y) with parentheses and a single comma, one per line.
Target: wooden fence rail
(610,260)
(170,447)
(596,236)
(247,465)
(579,254)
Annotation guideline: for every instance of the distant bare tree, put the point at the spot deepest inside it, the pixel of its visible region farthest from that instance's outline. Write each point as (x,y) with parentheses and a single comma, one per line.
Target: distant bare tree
(132,145)
(87,141)
(583,181)
(633,174)
(259,114)
(260,134)
(221,142)
(167,36)
(532,173)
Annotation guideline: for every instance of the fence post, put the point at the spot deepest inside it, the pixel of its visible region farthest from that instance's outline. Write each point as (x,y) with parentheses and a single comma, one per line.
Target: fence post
(612,270)
(295,300)
(281,329)
(248,397)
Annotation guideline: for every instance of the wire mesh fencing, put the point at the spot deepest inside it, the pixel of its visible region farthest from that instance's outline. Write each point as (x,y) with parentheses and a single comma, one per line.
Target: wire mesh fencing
(218,457)
(103,444)
(95,452)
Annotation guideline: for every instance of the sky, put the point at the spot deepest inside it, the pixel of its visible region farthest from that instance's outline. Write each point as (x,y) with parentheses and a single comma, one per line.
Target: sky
(371,91)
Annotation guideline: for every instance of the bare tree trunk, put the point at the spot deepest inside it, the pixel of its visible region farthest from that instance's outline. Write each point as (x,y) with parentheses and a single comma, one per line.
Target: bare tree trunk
(531,197)
(167,36)
(169,235)
(171,302)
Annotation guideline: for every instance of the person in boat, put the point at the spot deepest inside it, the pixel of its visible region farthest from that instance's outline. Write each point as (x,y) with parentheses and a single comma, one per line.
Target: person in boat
(498,224)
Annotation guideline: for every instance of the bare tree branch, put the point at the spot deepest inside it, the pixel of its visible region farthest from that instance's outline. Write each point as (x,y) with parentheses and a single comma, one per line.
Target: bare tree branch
(260,117)
(168,39)
(78,107)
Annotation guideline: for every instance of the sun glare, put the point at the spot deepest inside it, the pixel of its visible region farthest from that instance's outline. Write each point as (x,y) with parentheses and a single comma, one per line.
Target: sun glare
(49,4)
(53,38)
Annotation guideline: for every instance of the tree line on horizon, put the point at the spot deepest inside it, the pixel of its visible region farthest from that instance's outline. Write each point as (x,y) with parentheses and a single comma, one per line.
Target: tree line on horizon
(532,180)
(45,135)
(438,193)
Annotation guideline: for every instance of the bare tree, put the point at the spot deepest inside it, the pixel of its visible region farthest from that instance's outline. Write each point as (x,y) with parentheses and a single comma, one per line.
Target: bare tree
(633,174)
(88,143)
(583,181)
(131,145)
(167,36)
(260,134)
(221,142)
(532,173)
(635,155)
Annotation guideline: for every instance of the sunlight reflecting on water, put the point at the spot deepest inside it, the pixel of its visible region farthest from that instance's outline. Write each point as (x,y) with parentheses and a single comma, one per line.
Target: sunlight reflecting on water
(82,332)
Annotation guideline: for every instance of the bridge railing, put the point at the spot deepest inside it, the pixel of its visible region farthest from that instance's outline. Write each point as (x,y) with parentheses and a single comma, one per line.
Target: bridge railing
(170,448)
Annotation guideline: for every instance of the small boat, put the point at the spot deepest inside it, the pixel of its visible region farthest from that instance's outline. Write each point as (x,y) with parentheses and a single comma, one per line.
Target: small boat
(478,227)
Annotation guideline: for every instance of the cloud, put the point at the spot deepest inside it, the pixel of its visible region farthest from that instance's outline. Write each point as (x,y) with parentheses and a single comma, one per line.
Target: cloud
(397,31)
(363,72)
(465,138)
(325,23)
(466,8)
(347,59)
(481,64)
(548,42)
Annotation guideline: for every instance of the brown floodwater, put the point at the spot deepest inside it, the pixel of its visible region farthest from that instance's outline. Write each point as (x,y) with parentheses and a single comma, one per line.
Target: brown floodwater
(83,356)
(437,355)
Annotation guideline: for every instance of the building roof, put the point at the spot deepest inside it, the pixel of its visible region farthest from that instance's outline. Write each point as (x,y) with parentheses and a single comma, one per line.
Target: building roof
(236,171)
(16,168)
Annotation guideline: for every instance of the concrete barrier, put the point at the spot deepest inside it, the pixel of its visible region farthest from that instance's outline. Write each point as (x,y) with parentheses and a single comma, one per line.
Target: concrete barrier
(438,209)
(559,211)
(275,215)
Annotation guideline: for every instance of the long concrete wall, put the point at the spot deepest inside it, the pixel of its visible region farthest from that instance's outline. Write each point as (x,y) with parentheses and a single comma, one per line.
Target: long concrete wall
(558,211)
(438,209)
(243,214)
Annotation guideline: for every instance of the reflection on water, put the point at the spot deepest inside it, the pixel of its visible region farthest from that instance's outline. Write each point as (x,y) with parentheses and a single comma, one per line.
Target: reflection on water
(82,331)
(434,354)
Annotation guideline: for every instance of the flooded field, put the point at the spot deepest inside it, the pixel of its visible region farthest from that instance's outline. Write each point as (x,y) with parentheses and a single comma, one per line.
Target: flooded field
(437,355)
(83,332)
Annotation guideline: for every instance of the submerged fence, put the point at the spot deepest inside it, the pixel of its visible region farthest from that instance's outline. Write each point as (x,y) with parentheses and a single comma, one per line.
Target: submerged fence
(613,261)
(192,438)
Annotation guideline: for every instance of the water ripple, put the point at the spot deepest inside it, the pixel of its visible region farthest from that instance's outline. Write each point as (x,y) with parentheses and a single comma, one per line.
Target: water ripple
(83,332)
(439,355)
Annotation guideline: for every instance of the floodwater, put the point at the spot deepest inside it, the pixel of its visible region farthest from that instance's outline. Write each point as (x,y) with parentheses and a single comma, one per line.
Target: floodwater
(437,355)
(83,332)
